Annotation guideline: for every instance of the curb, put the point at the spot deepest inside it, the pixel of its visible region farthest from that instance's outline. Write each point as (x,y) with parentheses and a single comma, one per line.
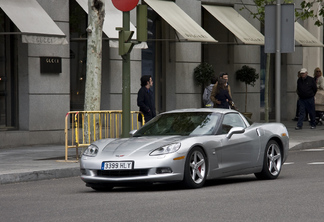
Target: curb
(308,145)
(39,175)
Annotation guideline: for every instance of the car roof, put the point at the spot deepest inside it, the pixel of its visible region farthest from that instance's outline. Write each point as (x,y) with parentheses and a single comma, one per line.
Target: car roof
(214,110)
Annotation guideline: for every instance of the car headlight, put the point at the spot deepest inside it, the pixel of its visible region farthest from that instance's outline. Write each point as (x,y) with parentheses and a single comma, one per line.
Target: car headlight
(171,148)
(92,151)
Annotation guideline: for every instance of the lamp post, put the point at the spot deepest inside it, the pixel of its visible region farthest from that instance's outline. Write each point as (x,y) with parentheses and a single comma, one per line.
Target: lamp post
(278,60)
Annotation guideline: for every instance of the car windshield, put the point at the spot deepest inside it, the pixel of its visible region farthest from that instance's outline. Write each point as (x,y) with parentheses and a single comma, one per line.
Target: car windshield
(188,123)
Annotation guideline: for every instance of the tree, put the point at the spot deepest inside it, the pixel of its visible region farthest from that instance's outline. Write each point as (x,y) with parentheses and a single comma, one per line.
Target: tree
(96,15)
(249,76)
(203,74)
(307,11)
(304,12)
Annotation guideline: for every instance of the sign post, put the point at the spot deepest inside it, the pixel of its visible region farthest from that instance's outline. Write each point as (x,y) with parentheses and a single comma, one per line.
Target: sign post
(279,38)
(124,50)
(126,83)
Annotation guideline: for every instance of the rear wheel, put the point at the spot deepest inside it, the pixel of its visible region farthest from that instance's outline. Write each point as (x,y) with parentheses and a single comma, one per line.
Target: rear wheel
(272,162)
(195,168)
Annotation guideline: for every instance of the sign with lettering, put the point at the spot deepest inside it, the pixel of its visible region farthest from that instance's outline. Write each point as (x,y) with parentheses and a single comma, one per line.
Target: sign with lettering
(52,40)
(50,64)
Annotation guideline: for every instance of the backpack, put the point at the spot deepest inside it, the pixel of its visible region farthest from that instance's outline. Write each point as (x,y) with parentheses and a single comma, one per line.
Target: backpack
(206,97)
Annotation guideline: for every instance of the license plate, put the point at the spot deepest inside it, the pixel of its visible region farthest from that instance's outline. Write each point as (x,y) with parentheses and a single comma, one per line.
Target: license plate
(117,165)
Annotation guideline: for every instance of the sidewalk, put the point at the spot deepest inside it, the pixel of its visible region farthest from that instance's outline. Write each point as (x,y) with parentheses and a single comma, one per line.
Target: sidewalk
(30,163)
(305,138)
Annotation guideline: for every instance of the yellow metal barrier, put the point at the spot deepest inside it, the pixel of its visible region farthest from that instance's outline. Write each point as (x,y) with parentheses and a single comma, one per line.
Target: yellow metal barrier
(84,127)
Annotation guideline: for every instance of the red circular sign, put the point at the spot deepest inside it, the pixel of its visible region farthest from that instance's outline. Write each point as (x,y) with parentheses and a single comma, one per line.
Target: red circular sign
(125,5)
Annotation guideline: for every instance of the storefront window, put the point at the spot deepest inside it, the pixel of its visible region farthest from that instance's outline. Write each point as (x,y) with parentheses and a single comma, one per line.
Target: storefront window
(2,72)
(148,55)
(151,58)
(78,55)
(8,74)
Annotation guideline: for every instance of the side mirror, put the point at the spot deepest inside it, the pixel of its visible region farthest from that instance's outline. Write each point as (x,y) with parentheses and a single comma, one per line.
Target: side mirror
(235,130)
(131,133)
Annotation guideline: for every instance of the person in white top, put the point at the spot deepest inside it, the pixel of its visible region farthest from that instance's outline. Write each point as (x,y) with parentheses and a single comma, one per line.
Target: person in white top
(319,96)
(318,76)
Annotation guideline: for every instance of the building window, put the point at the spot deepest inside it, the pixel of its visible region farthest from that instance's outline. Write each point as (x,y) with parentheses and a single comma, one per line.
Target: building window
(78,55)
(8,75)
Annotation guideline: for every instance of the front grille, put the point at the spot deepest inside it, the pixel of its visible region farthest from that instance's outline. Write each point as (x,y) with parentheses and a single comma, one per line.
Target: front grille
(122,173)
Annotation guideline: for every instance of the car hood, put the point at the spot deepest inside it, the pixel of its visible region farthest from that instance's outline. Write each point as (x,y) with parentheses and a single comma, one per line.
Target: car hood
(138,145)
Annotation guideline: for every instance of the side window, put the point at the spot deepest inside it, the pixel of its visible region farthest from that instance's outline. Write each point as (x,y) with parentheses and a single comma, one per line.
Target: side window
(231,120)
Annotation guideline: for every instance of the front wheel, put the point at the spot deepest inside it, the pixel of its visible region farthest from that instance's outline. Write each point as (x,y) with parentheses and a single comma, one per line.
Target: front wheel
(272,161)
(195,168)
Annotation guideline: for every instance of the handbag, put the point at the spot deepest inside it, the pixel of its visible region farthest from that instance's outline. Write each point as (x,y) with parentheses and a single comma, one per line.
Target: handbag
(232,106)
(319,97)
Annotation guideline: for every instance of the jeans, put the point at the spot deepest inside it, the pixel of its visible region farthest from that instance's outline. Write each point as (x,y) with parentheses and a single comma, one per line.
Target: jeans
(309,106)
(297,112)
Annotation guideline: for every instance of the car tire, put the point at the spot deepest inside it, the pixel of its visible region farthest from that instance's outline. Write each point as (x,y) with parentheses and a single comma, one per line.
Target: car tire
(272,162)
(195,171)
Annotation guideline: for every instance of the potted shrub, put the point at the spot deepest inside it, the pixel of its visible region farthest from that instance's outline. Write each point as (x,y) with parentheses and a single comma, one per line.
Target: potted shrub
(203,73)
(249,76)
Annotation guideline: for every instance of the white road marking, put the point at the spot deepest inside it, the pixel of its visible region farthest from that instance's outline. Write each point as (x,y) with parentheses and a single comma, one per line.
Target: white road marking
(317,163)
(309,150)
(289,163)
(312,150)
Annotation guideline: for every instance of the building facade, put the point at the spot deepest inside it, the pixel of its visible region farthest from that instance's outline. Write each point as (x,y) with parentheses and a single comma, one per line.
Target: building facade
(35,98)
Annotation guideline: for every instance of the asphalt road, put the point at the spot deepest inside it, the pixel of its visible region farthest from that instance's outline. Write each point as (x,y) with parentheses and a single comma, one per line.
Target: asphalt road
(297,195)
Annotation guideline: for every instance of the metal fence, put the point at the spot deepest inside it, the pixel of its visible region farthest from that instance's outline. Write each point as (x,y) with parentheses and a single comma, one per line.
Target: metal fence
(84,127)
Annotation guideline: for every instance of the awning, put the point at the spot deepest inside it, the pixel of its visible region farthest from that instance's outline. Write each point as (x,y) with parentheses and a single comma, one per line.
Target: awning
(236,24)
(305,38)
(34,23)
(113,19)
(180,21)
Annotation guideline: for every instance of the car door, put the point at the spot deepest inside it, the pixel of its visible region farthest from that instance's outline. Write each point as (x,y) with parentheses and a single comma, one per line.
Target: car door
(241,150)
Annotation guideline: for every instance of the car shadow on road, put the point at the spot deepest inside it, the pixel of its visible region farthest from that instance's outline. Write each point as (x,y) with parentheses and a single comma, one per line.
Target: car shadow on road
(230,180)
(157,187)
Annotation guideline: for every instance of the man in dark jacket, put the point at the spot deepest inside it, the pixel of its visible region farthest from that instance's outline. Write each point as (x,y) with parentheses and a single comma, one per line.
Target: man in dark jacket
(306,90)
(145,99)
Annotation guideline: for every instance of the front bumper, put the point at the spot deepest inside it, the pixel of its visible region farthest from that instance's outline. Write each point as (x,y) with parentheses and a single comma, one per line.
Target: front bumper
(91,176)
(152,169)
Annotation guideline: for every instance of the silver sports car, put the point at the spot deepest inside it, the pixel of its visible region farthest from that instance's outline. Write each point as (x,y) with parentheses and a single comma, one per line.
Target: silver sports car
(188,145)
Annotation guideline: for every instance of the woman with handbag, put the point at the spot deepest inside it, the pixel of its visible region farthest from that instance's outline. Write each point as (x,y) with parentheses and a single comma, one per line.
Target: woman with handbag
(222,95)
